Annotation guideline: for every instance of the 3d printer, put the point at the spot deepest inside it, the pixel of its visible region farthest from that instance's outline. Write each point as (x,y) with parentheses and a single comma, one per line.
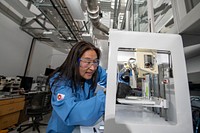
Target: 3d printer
(159,73)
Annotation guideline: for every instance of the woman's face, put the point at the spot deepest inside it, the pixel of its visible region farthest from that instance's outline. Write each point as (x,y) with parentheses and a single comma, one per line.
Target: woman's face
(88,64)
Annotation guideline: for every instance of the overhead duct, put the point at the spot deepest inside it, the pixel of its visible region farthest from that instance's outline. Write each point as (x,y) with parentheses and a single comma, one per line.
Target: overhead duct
(75,9)
(93,11)
(192,51)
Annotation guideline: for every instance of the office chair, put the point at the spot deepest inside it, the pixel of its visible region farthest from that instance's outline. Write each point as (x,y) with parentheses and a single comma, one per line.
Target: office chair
(39,105)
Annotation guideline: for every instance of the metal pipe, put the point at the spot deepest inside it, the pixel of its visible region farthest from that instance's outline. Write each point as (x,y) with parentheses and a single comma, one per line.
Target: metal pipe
(115,15)
(118,10)
(93,11)
(127,25)
(151,16)
(126,20)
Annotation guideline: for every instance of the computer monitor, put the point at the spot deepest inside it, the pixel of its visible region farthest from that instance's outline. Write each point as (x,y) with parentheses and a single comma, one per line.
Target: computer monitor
(26,83)
(48,71)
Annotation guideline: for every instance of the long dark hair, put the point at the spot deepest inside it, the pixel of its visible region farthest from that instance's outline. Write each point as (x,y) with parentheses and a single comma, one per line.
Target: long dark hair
(70,67)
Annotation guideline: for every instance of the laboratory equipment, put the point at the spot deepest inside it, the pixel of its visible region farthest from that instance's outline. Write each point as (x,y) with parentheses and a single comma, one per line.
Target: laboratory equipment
(160,72)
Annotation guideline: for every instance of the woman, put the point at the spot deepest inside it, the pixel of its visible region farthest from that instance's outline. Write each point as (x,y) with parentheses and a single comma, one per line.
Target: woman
(73,90)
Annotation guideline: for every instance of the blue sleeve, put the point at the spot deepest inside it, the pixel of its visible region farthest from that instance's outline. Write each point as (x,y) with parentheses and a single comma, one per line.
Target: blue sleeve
(102,77)
(87,112)
(73,112)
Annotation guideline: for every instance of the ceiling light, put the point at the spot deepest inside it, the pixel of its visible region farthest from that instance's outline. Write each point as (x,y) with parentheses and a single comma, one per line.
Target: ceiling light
(19,7)
(75,9)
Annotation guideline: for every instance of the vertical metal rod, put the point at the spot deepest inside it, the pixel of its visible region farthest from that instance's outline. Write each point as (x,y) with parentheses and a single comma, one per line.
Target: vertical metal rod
(150,16)
(115,15)
(132,15)
(118,10)
(29,55)
(137,19)
(127,24)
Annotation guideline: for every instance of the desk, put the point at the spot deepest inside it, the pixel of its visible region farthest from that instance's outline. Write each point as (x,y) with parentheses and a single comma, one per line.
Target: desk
(10,110)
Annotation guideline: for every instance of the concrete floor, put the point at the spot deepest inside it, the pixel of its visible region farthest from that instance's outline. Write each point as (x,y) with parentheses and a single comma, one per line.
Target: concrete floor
(42,128)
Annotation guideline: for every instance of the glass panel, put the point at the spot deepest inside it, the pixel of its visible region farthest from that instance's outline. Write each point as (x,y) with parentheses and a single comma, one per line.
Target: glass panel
(139,19)
(163,15)
(190,4)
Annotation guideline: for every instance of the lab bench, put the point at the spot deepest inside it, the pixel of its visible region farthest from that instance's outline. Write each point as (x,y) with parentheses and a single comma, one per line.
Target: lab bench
(10,108)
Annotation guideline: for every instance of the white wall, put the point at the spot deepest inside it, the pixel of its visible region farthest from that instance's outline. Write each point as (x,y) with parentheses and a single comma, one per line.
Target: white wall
(57,58)
(193,64)
(40,60)
(14,48)
(103,46)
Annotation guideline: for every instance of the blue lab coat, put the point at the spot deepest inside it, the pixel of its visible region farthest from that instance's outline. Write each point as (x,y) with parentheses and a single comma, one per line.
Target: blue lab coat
(71,109)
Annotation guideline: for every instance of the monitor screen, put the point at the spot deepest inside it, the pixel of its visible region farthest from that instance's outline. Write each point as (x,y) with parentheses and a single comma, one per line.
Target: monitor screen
(48,71)
(26,83)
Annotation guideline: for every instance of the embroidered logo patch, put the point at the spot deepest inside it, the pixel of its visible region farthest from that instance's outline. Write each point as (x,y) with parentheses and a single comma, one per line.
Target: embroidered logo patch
(60,97)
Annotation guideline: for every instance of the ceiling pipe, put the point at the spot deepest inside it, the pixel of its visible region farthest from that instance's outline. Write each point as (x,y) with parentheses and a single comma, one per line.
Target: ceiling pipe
(93,11)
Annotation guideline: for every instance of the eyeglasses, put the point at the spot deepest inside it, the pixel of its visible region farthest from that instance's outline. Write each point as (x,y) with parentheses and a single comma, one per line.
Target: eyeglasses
(86,63)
